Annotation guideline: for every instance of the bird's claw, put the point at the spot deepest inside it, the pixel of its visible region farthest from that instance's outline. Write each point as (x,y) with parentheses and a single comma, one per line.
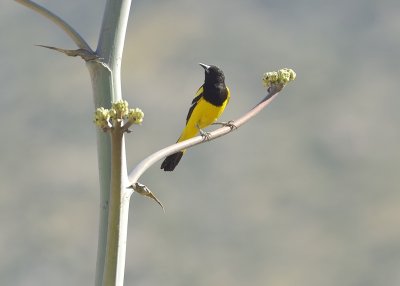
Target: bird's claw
(206,135)
(229,124)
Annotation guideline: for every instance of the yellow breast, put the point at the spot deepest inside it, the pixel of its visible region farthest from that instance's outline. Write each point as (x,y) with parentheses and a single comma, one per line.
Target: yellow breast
(202,116)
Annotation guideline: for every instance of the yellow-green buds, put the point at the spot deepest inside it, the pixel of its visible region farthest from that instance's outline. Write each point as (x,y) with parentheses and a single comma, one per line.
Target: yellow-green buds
(281,77)
(119,109)
(118,115)
(135,115)
(102,118)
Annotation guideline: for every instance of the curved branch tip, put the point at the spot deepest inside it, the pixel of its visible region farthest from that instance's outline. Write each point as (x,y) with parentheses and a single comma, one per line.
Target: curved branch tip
(71,32)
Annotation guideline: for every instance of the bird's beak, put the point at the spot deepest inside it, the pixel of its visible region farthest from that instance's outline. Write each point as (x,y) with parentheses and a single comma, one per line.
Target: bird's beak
(205,67)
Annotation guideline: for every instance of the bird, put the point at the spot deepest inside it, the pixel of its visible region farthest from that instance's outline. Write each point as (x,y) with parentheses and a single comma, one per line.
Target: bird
(207,106)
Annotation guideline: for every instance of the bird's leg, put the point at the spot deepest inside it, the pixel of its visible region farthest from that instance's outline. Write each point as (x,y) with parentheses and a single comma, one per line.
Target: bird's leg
(229,124)
(204,134)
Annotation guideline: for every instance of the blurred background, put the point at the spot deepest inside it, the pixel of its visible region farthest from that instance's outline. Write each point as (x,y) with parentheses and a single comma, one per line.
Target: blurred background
(305,194)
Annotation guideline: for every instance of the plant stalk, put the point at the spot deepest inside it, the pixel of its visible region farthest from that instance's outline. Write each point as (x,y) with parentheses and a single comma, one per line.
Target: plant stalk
(118,213)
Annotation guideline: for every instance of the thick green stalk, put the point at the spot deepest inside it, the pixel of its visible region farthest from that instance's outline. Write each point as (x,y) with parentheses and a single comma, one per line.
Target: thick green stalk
(106,84)
(118,214)
(102,95)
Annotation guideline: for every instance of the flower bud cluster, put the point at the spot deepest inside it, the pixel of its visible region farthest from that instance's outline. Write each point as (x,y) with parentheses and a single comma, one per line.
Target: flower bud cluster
(118,113)
(281,77)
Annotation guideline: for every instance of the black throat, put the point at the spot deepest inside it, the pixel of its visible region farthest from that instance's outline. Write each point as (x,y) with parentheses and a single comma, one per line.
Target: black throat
(215,93)
(214,89)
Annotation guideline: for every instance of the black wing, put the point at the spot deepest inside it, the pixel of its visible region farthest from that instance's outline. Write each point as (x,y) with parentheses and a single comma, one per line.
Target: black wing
(199,94)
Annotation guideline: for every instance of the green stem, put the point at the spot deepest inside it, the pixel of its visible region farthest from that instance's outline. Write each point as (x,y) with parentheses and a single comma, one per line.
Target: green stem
(102,95)
(106,84)
(118,214)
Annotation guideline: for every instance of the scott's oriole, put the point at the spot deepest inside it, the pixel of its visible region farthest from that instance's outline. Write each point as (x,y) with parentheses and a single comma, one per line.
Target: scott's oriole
(208,104)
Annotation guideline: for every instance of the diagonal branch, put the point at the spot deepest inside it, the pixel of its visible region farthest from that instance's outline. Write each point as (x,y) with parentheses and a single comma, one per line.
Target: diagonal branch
(79,41)
(235,124)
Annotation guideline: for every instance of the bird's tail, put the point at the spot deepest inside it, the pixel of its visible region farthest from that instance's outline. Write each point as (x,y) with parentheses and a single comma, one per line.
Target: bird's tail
(172,161)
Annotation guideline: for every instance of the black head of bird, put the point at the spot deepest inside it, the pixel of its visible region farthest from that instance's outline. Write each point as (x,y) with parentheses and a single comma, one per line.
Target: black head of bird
(213,74)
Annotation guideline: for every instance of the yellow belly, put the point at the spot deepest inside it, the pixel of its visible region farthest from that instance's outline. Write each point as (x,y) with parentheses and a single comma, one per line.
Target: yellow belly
(202,116)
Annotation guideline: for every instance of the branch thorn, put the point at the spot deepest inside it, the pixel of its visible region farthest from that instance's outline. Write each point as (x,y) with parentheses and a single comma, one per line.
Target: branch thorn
(83,53)
(145,191)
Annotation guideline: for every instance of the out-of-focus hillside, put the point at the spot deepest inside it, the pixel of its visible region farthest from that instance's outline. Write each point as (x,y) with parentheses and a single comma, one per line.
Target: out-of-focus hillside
(305,194)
